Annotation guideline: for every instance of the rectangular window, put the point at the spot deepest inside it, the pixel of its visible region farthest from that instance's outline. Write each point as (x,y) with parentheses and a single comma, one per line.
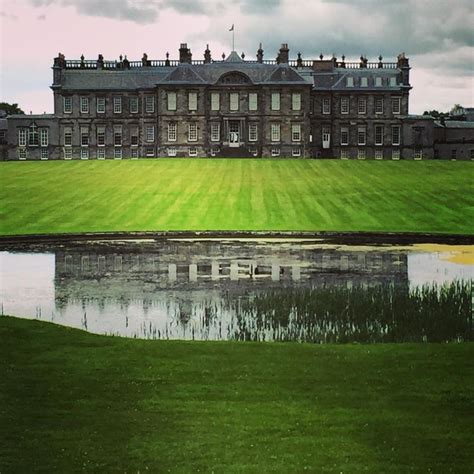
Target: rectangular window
(192,132)
(22,136)
(344,136)
(362,106)
(149,152)
(454,154)
(101,105)
(215,132)
(134,104)
(275,132)
(193,151)
(117,105)
(395,105)
(134,135)
(418,154)
(84,153)
(471,153)
(275,101)
(134,153)
(361,154)
(44,138)
(275,152)
(379,134)
(344,105)
(172,132)
(253,101)
(33,136)
(234,101)
(393,82)
(67,104)
(296,152)
(378,81)
(149,104)
(395,154)
(84,136)
(379,105)
(117,153)
(22,153)
(296,101)
(379,154)
(296,133)
(326,105)
(149,133)
(84,105)
(192,101)
(344,155)
(253,151)
(396,135)
(101,136)
(171,151)
(215,101)
(350,82)
(101,153)
(118,135)
(44,154)
(68,153)
(67,136)
(364,82)
(171,100)
(253,132)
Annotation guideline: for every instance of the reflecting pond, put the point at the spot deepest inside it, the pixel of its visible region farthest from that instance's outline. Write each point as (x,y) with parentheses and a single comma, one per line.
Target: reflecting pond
(266,290)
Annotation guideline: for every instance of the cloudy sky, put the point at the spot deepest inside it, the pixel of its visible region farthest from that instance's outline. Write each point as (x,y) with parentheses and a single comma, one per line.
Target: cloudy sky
(437,36)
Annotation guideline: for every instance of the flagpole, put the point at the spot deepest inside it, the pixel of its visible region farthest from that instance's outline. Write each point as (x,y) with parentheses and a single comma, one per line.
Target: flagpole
(233,42)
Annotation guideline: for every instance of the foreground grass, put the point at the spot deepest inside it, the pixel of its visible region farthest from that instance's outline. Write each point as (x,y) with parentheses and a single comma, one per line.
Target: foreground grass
(220,194)
(72,401)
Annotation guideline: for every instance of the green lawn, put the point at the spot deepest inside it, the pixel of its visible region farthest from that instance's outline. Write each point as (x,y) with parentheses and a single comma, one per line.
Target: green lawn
(71,401)
(225,194)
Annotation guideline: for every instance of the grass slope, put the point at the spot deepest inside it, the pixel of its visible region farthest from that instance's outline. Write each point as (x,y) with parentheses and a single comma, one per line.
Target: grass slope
(220,194)
(71,401)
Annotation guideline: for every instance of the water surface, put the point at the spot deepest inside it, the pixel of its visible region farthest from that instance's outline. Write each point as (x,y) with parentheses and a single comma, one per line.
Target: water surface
(245,290)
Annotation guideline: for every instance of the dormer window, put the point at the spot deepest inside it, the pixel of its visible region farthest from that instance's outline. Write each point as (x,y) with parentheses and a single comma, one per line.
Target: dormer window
(350,81)
(378,81)
(364,82)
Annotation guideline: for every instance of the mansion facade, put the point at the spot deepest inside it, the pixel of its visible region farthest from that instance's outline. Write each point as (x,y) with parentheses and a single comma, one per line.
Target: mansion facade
(323,108)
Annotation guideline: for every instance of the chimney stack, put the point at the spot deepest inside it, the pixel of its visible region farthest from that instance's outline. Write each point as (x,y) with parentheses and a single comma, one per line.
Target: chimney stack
(283,55)
(184,54)
(403,64)
(207,55)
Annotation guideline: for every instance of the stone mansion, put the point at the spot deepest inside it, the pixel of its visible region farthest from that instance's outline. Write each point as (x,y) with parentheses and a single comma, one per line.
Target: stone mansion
(323,108)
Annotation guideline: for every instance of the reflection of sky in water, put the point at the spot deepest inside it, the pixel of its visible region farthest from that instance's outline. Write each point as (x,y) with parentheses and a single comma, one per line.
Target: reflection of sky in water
(27,289)
(434,267)
(27,283)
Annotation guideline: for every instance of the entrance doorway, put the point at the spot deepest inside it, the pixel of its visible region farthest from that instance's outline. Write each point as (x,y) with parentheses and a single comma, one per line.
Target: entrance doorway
(234,133)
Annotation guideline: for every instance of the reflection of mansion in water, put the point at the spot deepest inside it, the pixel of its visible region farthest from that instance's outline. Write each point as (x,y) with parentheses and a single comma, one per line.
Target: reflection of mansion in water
(138,271)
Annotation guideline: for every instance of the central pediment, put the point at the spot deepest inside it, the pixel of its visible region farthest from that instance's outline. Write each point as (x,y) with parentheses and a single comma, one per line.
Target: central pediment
(234,77)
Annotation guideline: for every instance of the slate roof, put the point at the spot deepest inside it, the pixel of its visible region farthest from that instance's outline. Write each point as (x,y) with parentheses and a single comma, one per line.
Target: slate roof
(210,73)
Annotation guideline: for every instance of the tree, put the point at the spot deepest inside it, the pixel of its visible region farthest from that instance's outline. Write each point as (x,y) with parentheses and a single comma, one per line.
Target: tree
(10,109)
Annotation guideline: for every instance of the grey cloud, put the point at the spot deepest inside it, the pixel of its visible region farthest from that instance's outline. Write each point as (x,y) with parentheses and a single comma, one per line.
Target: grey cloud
(8,15)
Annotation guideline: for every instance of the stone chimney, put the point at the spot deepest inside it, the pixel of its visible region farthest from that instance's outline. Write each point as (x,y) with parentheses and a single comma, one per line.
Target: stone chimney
(207,55)
(100,62)
(184,54)
(58,65)
(403,64)
(260,54)
(284,54)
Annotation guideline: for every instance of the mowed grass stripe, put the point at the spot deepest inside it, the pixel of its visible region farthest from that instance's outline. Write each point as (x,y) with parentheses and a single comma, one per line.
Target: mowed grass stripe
(229,194)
